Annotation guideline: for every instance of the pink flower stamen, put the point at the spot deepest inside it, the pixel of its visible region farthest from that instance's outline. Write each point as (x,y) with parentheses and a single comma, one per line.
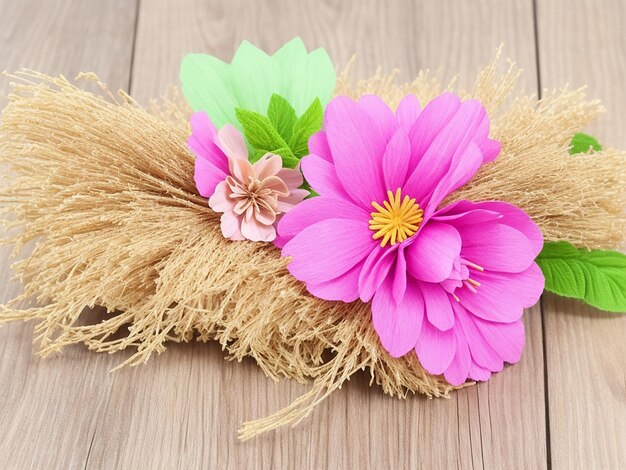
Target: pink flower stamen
(397,221)
(469,264)
(470,287)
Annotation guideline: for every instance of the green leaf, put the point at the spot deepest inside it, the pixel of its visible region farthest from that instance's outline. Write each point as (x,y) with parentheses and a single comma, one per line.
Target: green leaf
(581,143)
(597,277)
(307,125)
(268,134)
(289,160)
(264,138)
(308,187)
(282,115)
(248,82)
(259,131)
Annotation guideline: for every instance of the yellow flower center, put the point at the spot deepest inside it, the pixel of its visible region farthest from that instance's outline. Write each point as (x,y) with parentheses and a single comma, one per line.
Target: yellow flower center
(398,220)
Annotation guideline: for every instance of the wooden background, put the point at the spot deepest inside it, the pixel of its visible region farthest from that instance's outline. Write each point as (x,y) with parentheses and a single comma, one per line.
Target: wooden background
(562,407)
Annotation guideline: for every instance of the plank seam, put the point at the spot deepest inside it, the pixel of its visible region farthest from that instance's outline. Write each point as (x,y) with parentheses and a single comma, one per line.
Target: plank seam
(134,47)
(537,57)
(541,301)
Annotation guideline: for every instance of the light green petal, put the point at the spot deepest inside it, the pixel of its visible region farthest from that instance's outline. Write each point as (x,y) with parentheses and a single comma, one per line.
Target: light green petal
(251,79)
(253,75)
(206,86)
(305,76)
(290,49)
(292,60)
(322,68)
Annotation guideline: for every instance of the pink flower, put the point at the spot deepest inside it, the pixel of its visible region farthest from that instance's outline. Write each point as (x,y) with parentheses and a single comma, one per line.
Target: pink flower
(449,283)
(251,197)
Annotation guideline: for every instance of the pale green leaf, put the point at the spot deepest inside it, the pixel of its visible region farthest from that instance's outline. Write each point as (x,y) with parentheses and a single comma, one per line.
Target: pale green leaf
(597,277)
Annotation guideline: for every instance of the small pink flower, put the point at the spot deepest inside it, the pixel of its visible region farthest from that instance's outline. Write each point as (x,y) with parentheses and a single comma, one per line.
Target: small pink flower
(448,283)
(251,197)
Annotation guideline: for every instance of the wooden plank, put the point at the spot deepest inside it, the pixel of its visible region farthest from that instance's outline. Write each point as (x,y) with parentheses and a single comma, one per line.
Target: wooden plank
(184,407)
(582,43)
(49,409)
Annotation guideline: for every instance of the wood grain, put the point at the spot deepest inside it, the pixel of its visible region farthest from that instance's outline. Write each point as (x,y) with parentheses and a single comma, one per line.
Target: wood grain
(50,409)
(583,43)
(346,431)
(183,408)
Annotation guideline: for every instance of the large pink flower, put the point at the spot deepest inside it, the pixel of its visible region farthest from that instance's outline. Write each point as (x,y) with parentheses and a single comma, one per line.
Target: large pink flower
(450,283)
(251,197)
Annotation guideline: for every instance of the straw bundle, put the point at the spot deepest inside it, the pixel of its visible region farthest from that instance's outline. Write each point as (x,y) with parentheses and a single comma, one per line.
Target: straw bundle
(105,189)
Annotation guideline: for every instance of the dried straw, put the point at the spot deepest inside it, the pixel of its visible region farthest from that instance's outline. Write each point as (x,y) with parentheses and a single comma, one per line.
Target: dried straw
(105,191)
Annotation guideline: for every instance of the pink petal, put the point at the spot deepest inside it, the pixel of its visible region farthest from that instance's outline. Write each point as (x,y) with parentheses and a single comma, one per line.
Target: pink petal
(431,255)
(231,226)
(202,127)
(357,145)
(450,141)
(268,165)
(375,270)
(399,285)
(458,218)
(296,196)
(311,211)
(437,306)
(219,201)
(407,112)
(344,288)
(457,372)
(429,124)
(318,145)
(462,169)
(466,212)
(202,141)
(280,241)
(480,349)
(278,186)
(328,249)
(322,177)
(507,339)
(265,217)
(502,297)
(435,348)
(242,170)
(249,212)
(496,247)
(230,140)
(380,113)
(449,285)
(460,271)
(292,178)
(398,326)
(490,150)
(479,373)
(256,231)
(207,176)
(396,160)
